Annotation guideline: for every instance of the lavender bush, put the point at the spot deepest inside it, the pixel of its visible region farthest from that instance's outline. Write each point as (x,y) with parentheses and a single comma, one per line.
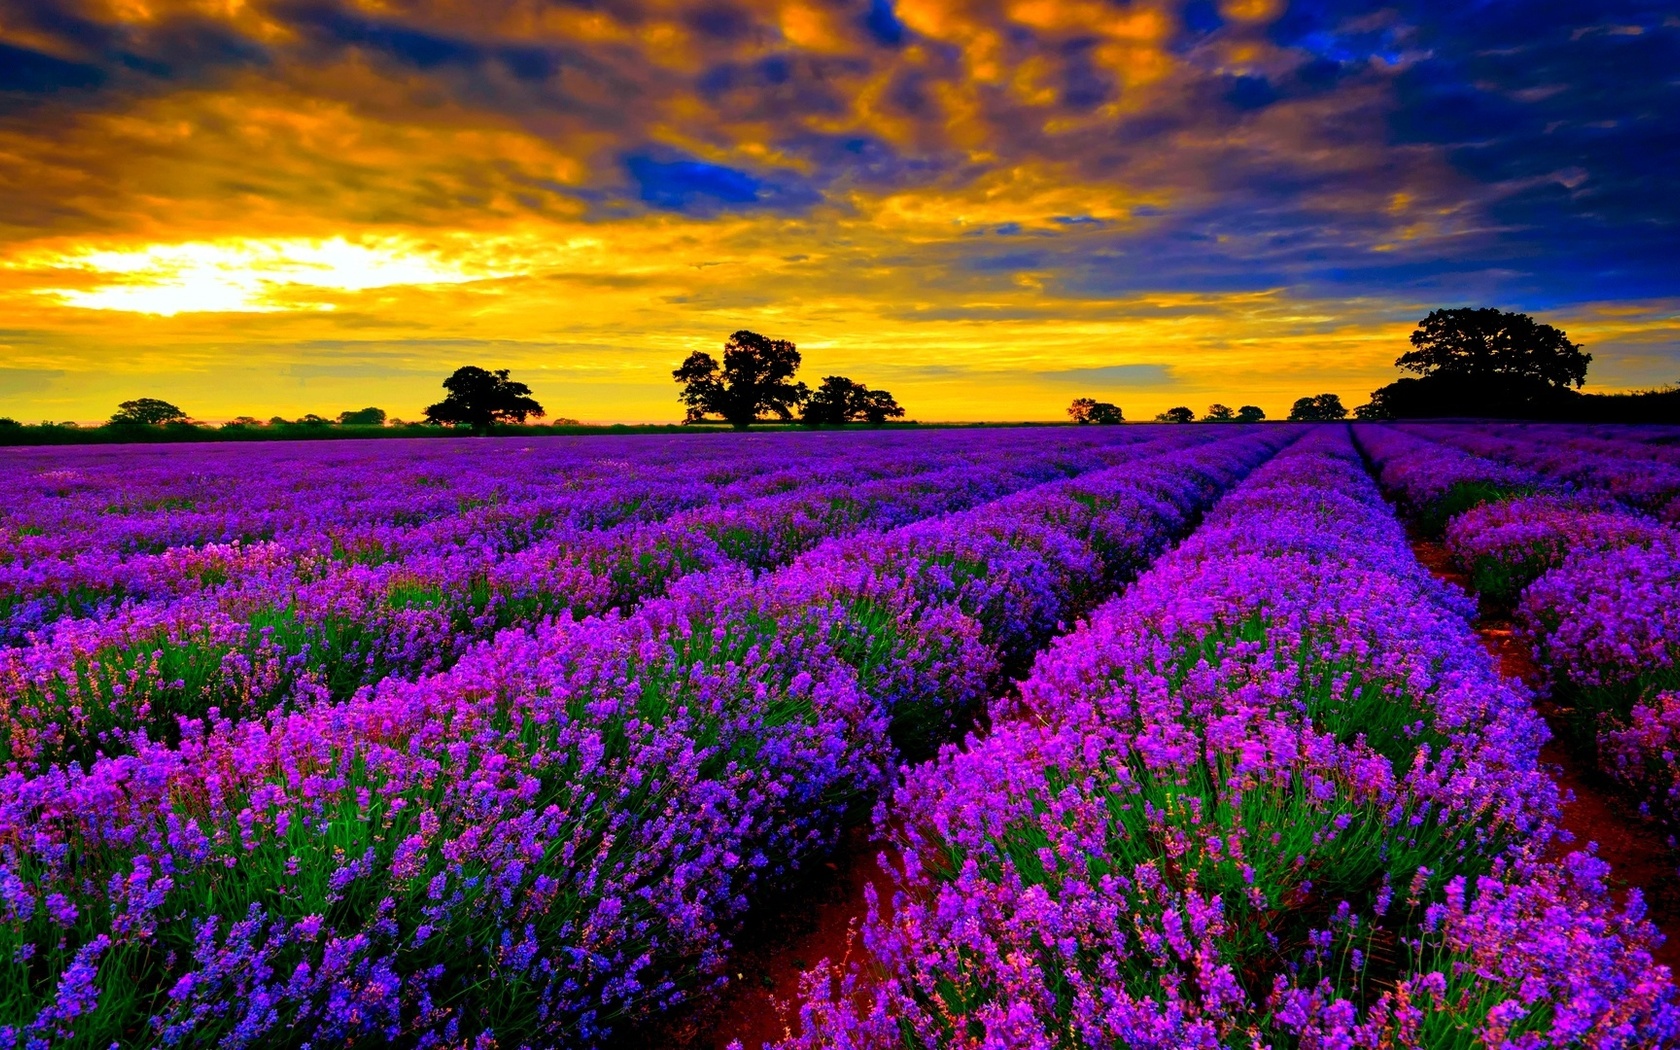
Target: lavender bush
(554,838)
(1275,794)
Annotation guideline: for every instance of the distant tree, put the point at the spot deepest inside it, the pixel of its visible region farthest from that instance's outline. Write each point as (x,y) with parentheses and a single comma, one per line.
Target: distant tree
(1218,413)
(756,377)
(1250,414)
(1324,408)
(841,400)
(242,423)
(1489,346)
(1373,409)
(479,398)
(362,417)
(1180,414)
(146,411)
(831,404)
(278,421)
(8,421)
(878,406)
(314,420)
(1090,410)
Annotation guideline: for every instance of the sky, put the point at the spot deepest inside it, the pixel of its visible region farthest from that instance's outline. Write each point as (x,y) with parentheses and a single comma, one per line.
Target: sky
(250,207)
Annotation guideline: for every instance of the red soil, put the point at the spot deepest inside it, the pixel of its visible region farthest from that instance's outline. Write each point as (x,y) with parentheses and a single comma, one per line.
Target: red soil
(1637,852)
(819,919)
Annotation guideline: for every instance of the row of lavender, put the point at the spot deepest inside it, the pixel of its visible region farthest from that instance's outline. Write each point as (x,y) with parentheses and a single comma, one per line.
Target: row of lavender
(1593,584)
(1274,795)
(556,837)
(84,533)
(242,628)
(1639,474)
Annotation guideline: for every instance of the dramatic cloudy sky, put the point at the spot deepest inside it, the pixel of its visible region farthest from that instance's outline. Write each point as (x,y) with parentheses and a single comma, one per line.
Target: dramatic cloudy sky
(265,206)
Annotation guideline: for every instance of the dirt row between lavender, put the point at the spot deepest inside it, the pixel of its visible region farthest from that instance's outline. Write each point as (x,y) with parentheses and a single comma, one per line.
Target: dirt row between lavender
(824,919)
(822,916)
(1593,812)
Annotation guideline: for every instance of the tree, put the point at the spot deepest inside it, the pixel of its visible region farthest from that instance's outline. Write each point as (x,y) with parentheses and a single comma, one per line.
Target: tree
(878,406)
(1372,409)
(362,417)
(479,398)
(755,378)
(1485,362)
(1218,413)
(147,411)
(841,400)
(7,422)
(833,403)
(1250,414)
(1179,414)
(1090,410)
(1492,347)
(1324,408)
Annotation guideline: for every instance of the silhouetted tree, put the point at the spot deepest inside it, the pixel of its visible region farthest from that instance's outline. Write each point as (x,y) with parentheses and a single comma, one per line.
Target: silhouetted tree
(147,411)
(831,404)
(1090,410)
(1485,362)
(878,406)
(755,378)
(8,421)
(363,417)
(313,419)
(841,400)
(1324,408)
(1180,414)
(1218,413)
(1373,409)
(1250,414)
(478,398)
(1486,346)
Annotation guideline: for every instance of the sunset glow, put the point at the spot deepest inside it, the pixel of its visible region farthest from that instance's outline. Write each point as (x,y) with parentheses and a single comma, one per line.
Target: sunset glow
(988,208)
(245,276)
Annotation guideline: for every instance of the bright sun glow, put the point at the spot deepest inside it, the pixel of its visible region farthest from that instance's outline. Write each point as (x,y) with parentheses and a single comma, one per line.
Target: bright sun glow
(248,276)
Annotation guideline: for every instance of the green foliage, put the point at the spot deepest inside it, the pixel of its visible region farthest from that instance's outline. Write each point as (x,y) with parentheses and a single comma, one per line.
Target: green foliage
(362,417)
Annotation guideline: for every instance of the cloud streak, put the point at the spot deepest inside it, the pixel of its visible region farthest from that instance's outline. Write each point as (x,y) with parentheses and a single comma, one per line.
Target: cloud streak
(1008,189)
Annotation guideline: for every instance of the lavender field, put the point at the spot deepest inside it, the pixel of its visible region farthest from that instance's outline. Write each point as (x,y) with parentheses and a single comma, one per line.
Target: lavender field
(1169,737)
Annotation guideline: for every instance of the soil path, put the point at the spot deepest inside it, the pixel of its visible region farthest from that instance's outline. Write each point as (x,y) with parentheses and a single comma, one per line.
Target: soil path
(820,917)
(1638,854)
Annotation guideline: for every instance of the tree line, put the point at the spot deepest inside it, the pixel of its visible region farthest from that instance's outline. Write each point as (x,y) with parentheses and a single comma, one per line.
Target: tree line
(1465,362)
